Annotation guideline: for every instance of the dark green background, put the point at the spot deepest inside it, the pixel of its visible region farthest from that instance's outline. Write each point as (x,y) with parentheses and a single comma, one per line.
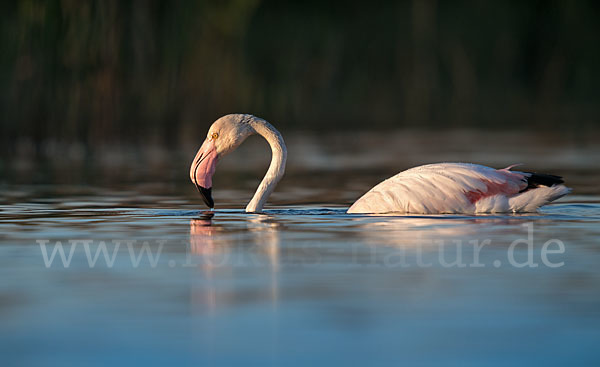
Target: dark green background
(95,72)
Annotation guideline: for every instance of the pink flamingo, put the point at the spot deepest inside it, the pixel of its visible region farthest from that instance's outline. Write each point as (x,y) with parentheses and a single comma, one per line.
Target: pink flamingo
(430,189)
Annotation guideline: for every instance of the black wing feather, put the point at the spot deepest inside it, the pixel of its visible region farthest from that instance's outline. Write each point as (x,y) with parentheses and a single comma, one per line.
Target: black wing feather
(542,179)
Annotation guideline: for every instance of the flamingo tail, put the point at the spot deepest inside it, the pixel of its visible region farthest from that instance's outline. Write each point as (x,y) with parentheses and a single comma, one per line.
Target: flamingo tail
(532,199)
(535,180)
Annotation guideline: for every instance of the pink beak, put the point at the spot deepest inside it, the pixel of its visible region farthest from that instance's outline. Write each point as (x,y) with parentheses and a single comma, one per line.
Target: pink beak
(202,170)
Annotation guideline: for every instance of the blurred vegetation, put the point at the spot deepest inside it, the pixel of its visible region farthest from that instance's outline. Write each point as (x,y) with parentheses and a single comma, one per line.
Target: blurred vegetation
(95,72)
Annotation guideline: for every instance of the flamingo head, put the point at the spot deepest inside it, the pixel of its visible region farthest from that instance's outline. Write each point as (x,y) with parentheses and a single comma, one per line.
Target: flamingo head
(224,135)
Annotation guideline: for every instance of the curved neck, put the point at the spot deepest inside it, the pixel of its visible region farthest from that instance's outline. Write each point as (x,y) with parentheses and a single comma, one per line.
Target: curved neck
(276,168)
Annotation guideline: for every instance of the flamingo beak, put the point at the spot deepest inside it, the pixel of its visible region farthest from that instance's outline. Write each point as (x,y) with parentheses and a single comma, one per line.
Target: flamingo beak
(202,170)
(206,196)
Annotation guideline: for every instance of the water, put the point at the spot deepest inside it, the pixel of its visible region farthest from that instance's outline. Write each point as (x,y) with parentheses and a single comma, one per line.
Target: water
(304,282)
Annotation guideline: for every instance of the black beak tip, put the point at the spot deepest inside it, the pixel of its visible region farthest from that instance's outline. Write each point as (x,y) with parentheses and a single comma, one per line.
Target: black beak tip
(206,196)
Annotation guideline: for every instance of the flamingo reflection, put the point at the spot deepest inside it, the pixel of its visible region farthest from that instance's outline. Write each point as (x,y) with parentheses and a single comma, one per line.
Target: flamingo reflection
(221,255)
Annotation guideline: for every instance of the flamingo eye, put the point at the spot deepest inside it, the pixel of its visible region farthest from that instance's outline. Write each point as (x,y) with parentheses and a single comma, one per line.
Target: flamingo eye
(215,135)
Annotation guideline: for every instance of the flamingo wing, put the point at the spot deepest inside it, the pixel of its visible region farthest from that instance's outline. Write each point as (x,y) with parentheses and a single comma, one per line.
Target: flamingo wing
(451,188)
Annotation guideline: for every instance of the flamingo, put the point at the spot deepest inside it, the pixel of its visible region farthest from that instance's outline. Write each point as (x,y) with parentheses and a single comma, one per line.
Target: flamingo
(441,188)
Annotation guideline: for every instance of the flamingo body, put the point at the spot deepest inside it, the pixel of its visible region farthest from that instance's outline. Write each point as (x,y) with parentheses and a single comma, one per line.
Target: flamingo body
(460,188)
